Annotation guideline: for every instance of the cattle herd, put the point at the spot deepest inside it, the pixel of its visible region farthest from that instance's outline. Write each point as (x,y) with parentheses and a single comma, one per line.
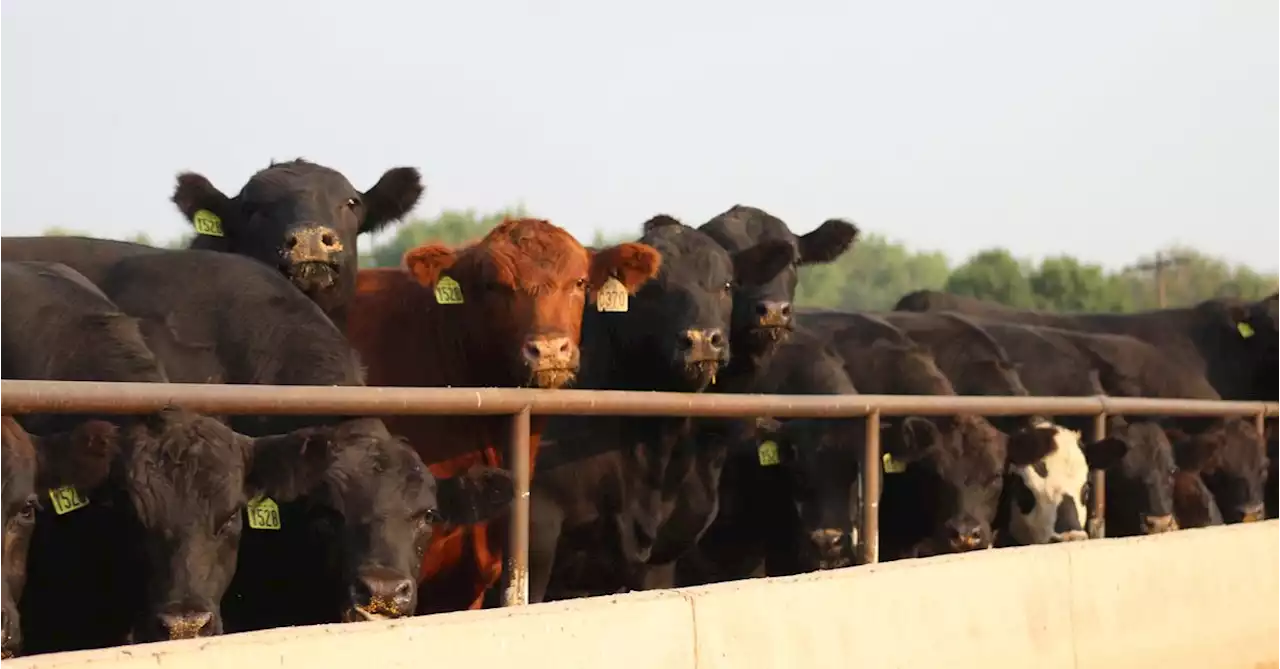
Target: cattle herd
(177,524)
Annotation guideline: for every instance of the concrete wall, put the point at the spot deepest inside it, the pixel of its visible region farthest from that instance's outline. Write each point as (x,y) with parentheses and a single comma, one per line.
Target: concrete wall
(1197,598)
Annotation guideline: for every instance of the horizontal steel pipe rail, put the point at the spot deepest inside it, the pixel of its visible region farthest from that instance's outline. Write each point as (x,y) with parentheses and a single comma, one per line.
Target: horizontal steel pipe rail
(20,397)
(103,397)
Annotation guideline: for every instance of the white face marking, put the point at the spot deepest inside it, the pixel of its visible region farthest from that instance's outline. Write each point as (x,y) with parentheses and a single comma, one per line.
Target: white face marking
(1068,471)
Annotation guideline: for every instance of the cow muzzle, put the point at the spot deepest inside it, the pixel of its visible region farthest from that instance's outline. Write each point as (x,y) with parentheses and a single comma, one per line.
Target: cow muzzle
(702,351)
(1252,513)
(311,258)
(552,362)
(10,636)
(186,624)
(380,594)
(831,547)
(1159,524)
(966,537)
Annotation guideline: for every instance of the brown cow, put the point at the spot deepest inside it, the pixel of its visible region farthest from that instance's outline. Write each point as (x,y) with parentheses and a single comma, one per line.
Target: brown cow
(505,311)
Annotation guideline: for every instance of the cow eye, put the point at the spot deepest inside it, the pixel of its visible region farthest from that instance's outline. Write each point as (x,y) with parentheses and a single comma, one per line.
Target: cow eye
(728,287)
(28,512)
(427,517)
(352,203)
(580,284)
(228,523)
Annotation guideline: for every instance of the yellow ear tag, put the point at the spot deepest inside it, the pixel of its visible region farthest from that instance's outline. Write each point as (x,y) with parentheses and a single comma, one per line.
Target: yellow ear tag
(892,466)
(612,297)
(768,454)
(264,514)
(67,499)
(207,223)
(448,291)
(1245,330)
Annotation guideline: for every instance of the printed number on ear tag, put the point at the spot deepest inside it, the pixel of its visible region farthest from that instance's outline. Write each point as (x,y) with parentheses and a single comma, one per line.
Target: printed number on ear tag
(768,454)
(1244,329)
(207,223)
(67,499)
(892,466)
(264,514)
(612,297)
(448,291)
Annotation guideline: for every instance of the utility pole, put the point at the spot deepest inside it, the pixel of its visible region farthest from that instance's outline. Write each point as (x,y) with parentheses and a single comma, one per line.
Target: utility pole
(1158,266)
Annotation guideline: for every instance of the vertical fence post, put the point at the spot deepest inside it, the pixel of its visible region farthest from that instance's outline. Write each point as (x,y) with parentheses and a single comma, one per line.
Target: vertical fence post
(871,491)
(1097,525)
(516,592)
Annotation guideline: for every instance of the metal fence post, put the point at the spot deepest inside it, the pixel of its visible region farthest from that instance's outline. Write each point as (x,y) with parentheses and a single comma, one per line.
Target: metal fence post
(1097,525)
(871,490)
(516,592)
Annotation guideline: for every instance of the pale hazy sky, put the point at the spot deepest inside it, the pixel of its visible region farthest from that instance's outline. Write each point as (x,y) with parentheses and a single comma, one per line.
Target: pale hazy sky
(1100,129)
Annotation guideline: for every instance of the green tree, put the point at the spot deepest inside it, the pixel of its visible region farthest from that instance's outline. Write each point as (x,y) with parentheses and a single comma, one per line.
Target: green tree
(870,276)
(993,274)
(1062,283)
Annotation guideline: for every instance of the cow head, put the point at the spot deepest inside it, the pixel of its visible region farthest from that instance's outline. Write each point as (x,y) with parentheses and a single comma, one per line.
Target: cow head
(181,477)
(519,294)
(384,501)
(675,334)
(1233,462)
(18,480)
(1140,485)
(762,307)
(299,217)
(1046,498)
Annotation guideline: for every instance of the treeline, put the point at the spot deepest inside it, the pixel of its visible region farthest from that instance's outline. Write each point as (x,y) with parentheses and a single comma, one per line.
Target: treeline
(878,271)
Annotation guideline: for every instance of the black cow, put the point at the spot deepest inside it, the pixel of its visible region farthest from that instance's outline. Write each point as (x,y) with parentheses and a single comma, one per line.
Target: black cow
(301,218)
(1230,342)
(762,311)
(617,500)
(789,499)
(350,536)
(18,471)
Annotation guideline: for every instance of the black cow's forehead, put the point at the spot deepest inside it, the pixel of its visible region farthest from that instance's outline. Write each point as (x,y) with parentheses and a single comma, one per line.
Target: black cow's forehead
(741,227)
(688,255)
(295,177)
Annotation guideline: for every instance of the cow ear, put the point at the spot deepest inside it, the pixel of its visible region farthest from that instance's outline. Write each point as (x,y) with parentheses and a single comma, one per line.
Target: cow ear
(1031,445)
(911,438)
(760,263)
(287,466)
(476,495)
(1105,453)
(90,451)
(194,193)
(632,263)
(426,263)
(391,198)
(827,242)
(659,221)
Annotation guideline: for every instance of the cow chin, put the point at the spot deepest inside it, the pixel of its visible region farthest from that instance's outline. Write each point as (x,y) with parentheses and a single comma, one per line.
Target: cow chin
(765,339)
(701,374)
(552,379)
(313,277)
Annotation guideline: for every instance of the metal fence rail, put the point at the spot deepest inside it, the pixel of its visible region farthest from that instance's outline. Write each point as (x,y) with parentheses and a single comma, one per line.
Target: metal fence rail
(20,397)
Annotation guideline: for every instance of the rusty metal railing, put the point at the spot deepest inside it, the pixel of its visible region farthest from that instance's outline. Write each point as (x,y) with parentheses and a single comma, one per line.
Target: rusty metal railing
(19,397)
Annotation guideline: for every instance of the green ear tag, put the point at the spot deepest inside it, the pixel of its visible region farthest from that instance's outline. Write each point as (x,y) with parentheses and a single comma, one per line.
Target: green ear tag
(768,454)
(1245,330)
(67,499)
(207,223)
(264,513)
(892,466)
(448,291)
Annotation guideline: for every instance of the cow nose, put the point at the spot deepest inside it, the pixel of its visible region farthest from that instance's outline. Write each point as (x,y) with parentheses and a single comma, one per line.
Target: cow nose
(312,244)
(548,352)
(772,313)
(381,593)
(703,344)
(1158,524)
(965,535)
(1252,513)
(827,541)
(10,638)
(185,624)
